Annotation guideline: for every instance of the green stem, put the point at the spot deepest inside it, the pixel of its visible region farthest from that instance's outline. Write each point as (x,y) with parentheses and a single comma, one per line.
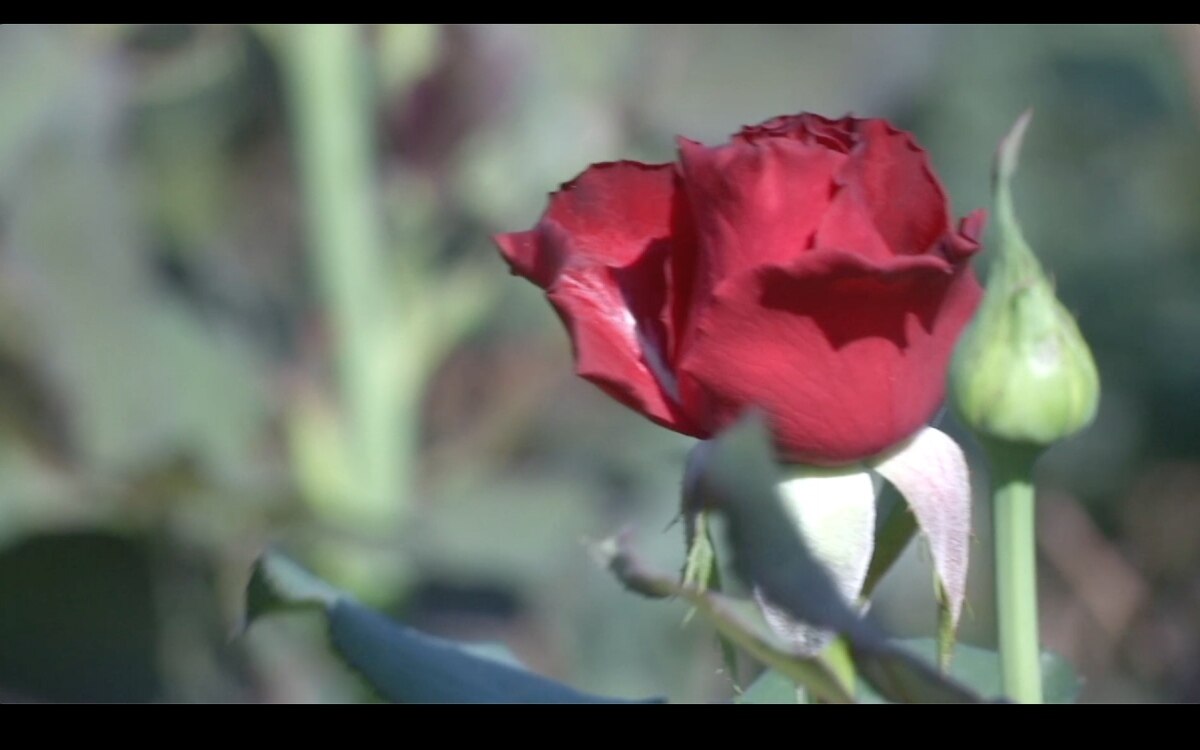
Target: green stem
(841,662)
(702,572)
(1016,572)
(330,111)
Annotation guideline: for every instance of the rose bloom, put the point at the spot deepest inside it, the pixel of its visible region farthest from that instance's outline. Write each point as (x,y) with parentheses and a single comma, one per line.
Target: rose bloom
(809,267)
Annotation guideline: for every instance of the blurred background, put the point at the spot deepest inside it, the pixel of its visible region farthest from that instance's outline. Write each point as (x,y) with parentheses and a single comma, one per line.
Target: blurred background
(247,297)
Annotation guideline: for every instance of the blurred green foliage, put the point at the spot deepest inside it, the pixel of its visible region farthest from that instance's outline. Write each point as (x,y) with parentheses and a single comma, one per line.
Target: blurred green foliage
(170,400)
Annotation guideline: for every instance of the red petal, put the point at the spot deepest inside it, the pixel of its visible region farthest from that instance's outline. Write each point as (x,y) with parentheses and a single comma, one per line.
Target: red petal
(836,134)
(848,225)
(525,258)
(755,202)
(604,251)
(965,242)
(611,213)
(845,355)
(890,176)
(813,129)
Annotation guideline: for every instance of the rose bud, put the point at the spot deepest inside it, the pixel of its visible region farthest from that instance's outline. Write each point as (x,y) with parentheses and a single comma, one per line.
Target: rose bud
(1022,373)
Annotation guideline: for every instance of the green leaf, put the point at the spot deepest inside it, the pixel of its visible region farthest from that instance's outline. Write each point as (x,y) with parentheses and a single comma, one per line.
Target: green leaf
(893,672)
(770,688)
(1060,683)
(700,568)
(895,526)
(974,666)
(980,669)
(738,620)
(902,677)
(735,475)
(78,619)
(402,664)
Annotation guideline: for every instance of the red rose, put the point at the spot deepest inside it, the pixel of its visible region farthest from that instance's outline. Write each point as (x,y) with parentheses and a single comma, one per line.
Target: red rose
(809,267)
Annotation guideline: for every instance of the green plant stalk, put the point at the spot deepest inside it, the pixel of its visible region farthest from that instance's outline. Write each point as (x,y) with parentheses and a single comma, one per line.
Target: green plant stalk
(329,102)
(1016,571)
(841,661)
(702,572)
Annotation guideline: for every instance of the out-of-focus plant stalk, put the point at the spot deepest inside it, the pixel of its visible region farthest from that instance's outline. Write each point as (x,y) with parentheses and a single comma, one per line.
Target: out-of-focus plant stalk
(325,70)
